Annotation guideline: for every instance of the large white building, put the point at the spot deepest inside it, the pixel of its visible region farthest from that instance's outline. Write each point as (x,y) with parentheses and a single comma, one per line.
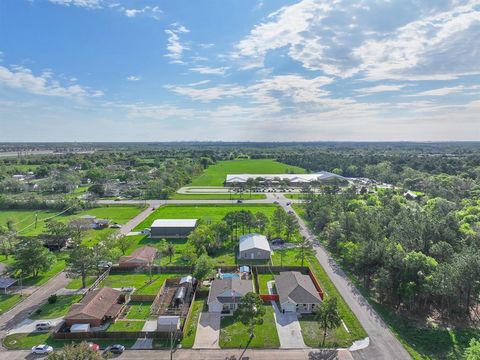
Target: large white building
(273,179)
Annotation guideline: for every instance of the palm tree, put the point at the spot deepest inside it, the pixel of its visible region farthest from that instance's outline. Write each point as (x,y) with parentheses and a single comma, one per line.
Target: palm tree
(327,316)
(305,249)
(170,251)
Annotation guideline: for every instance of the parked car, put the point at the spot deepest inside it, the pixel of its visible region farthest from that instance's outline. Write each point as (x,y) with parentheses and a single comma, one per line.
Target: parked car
(145,232)
(42,349)
(275,202)
(289,203)
(239,201)
(115,349)
(115,226)
(127,289)
(278,241)
(290,211)
(43,326)
(94,347)
(105,264)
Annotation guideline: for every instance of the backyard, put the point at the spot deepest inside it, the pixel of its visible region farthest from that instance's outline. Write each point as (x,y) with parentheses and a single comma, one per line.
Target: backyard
(140,281)
(139,310)
(215,174)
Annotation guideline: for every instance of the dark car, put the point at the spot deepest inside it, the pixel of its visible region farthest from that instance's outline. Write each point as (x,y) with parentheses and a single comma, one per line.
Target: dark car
(278,241)
(115,349)
(239,201)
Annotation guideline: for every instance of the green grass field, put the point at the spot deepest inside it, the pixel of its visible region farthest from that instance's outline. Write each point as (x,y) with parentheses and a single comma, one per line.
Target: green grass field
(77,283)
(43,277)
(24,220)
(233,334)
(126,325)
(57,309)
(8,301)
(215,174)
(138,310)
(191,326)
(139,280)
(313,334)
(262,282)
(209,213)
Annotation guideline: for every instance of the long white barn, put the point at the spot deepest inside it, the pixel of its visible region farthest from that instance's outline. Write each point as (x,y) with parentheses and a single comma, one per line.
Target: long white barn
(294,179)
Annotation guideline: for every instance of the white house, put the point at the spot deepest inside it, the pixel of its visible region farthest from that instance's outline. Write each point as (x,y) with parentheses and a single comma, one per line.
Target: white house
(254,247)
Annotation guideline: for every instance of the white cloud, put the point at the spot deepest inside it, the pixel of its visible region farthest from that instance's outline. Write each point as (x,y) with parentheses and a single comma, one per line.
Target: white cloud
(343,40)
(175,47)
(80,3)
(133,78)
(210,70)
(151,11)
(380,89)
(19,77)
(447,90)
(202,82)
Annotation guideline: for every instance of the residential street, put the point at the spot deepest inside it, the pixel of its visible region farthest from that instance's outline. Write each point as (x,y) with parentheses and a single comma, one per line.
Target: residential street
(383,344)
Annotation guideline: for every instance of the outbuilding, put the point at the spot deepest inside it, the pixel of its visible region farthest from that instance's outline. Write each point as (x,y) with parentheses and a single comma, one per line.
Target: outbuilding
(172,228)
(167,323)
(254,247)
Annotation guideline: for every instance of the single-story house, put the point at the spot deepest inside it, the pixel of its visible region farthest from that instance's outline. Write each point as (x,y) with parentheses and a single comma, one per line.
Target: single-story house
(172,228)
(95,222)
(96,307)
(140,257)
(296,292)
(254,247)
(225,294)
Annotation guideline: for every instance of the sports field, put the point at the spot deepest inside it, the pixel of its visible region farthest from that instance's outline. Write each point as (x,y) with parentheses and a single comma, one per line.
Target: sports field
(215,174)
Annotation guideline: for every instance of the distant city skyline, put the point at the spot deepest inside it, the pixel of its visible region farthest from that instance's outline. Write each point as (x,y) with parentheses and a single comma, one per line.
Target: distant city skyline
(250,70)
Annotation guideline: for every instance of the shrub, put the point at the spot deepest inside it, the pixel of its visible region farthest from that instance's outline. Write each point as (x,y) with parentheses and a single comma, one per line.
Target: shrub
(52,299)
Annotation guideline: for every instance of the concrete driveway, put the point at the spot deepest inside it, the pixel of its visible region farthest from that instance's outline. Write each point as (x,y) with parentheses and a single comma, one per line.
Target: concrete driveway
(288,327)
(208,331)
(28,326)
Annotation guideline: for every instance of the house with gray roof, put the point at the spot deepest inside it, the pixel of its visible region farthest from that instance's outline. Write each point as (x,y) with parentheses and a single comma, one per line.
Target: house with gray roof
(254,247)
(296,292)
(225,294)
(172,228)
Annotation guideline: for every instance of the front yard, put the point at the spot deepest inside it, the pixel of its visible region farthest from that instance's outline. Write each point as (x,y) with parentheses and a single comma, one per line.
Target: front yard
(57,309)
(233,334)
(313,334)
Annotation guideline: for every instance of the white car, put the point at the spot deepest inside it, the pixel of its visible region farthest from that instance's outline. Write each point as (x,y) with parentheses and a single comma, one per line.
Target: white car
(42,349)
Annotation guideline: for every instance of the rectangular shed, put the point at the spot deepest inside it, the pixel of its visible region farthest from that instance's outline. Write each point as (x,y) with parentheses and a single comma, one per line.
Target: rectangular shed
(172,228)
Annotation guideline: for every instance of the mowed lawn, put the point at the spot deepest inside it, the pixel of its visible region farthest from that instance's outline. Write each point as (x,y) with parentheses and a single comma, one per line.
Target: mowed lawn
(139,310)
(215,174)
(140,281)
(245,196)
(8,301)
(234,334)
(263,279)
(205,212)
(24,220)
(57,309)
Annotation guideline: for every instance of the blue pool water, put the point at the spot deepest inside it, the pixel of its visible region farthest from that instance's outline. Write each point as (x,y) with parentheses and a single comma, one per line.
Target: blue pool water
(229,275)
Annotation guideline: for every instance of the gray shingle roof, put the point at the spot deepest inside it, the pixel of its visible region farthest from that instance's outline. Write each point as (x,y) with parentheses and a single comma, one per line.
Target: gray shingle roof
(254,241)
(232,289)
(296,287)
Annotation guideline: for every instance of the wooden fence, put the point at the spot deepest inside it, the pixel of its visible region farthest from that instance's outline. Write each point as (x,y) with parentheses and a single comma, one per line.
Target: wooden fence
(114,335)
(272,297)
(316,283)
(145,298)
(155,269)
(188,318)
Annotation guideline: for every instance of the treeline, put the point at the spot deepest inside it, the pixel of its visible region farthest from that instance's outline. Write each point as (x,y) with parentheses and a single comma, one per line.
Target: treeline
(421,259)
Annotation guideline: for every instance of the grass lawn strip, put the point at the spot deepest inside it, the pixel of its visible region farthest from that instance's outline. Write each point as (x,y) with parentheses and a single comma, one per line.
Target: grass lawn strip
(233,334)
(77,283)
(215,174)
(126,326)
(245,196)
(313,334)
(191,326)
(263,279)
(8,301)
(57,309)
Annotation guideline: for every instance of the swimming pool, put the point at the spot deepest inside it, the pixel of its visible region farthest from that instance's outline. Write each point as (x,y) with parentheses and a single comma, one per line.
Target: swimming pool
(229,275)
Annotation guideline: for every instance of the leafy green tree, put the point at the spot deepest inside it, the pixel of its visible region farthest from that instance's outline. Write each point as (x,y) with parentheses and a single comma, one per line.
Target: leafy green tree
(123,243)
(58,232)
(203,268)
(472,352)
(170,251)
(278,221)
(328,316)
(304,250)
(261,221)
(81,263)
(31,257)
(291,226)
(251,311)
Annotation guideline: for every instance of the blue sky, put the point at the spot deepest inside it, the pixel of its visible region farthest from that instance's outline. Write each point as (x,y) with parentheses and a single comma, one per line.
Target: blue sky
(145,70)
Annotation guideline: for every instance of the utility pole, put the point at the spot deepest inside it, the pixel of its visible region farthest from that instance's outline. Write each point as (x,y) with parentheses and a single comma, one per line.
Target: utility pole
(36,219)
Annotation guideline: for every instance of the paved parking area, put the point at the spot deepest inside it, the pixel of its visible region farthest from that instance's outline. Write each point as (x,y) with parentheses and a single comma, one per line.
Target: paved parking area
(208,331)
(288,327)
(28,326)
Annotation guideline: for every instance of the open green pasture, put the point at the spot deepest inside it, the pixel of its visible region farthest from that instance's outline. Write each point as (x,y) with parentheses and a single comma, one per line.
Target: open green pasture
(215,174)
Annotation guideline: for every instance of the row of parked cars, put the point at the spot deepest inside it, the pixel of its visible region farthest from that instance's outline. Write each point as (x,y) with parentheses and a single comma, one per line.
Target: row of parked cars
(112,349)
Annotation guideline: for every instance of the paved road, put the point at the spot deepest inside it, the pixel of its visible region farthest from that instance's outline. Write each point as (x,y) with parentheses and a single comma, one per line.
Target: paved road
(129,226)
(233,354)
(383,344)
(20,312)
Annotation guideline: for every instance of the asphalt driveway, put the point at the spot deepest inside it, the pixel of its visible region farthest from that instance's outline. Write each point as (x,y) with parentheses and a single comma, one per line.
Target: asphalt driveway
(208,331)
